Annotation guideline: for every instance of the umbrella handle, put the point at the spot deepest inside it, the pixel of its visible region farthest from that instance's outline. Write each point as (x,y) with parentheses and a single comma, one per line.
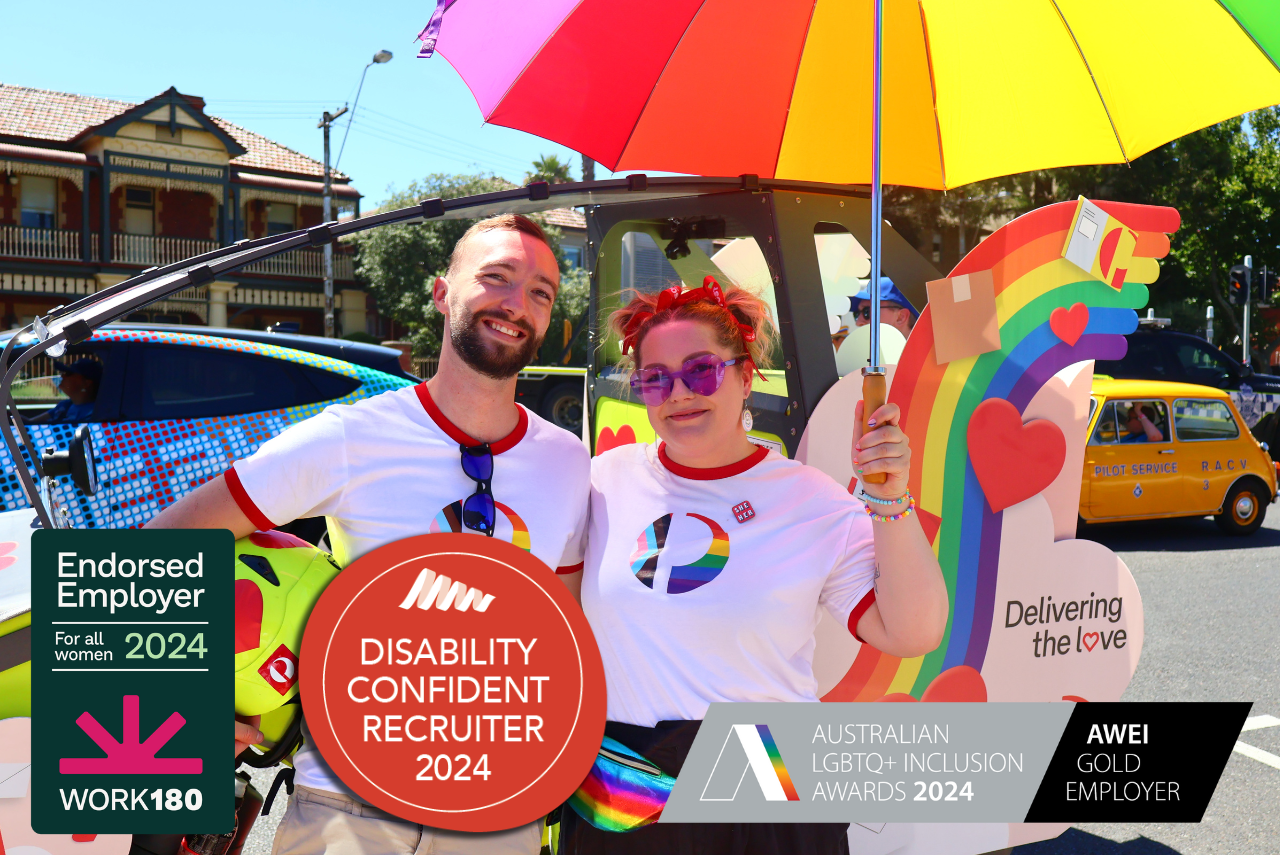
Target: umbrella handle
(874,395)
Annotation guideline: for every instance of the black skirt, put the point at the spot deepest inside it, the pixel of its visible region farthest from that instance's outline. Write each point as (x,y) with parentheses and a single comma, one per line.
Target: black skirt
(667,745)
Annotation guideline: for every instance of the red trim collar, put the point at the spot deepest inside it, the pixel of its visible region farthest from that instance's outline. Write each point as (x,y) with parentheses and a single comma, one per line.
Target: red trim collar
(460,436)
(714,473)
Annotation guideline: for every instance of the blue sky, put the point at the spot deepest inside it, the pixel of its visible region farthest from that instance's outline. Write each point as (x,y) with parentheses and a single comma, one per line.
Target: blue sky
(274,66)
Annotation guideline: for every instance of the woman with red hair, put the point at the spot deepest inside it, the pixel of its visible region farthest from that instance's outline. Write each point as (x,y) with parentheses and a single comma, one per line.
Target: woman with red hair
(709,559)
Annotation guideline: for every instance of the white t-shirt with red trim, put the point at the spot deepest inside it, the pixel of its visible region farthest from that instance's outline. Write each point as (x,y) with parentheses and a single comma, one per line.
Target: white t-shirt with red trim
(389,467)
(704,585)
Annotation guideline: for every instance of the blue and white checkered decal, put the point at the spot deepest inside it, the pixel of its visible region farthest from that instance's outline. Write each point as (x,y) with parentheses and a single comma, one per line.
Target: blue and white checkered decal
(1254,405)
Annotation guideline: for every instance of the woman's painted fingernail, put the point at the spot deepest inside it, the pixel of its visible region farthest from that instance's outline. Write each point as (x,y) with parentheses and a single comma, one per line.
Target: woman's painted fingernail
(871,422)
(859,471)
(857,447)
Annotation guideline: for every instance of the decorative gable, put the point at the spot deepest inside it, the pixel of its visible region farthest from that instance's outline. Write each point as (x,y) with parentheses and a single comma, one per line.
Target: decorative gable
(171,111)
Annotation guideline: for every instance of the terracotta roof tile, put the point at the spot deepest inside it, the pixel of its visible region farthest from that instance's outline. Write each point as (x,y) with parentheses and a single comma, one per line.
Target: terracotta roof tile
(267,154)
(566,218)
(39,114)
(56,116)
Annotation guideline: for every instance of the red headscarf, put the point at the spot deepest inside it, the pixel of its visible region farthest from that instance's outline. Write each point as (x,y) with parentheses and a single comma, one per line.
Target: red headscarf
(710,292)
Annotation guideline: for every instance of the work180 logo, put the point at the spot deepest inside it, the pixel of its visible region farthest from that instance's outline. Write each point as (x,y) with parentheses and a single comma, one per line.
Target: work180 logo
(452,681)
(749,745)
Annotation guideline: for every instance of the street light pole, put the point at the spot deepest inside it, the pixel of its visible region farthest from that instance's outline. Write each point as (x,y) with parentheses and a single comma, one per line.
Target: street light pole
(326,121)
(1248,287)
(378,59)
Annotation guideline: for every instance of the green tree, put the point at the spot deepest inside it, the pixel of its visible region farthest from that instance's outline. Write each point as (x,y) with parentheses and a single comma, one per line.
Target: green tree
(399,264)
(570,309)
(1224,180)
(916,213)
(551,169)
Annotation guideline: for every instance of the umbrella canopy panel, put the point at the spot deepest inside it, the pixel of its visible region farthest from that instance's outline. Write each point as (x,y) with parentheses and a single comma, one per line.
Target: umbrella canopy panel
(972,89)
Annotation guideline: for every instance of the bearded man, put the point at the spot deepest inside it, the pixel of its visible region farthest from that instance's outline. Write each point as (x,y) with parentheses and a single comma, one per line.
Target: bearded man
(453,454)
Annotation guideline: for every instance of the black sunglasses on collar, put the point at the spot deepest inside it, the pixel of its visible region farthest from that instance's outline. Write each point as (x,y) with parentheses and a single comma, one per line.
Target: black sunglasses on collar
(478,512)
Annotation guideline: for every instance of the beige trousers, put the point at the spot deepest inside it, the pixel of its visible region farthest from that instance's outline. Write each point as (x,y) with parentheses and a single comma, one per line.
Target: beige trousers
(318,822)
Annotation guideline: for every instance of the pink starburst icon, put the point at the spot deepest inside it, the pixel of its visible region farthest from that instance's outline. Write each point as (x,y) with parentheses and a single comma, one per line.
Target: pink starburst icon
(129,757)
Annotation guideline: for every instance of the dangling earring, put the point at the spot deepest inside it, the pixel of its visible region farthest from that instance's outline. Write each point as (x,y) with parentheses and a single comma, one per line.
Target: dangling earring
(747,421)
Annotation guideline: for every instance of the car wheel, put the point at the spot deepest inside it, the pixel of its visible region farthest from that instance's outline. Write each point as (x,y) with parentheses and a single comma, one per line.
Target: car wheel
(562,406)
(1244,509)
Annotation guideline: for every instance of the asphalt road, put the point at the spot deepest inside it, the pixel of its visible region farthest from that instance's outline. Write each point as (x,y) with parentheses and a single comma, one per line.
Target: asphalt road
(1211,604)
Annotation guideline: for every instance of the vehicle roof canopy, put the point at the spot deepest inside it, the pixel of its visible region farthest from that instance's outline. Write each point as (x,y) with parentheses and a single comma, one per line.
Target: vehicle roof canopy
(118,300)
(1112,388)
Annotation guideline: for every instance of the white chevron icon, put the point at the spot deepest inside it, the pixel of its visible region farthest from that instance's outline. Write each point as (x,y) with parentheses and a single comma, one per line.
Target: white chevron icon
(445,592)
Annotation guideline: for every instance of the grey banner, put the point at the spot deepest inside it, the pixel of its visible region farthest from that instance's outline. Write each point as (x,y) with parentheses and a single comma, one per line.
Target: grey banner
(936,762)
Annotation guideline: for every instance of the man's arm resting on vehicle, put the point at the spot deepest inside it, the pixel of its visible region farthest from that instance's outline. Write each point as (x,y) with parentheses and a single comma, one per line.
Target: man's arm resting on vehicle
(210,505)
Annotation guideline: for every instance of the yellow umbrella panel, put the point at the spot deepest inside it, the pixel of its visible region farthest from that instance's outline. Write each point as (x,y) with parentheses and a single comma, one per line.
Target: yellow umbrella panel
(983,88)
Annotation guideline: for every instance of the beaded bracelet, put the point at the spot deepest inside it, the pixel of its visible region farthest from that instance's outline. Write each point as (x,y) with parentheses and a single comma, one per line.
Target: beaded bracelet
(867,497)
(880,518)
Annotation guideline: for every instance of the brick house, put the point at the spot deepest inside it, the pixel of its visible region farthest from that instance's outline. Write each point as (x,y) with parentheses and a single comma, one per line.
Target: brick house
(92,191)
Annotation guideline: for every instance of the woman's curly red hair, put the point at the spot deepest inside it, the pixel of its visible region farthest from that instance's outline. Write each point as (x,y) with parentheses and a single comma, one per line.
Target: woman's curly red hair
(741,307)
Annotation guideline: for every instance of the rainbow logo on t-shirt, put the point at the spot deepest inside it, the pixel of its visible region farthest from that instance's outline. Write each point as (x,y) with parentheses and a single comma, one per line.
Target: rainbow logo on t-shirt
(684,577)
(687,577)
(450,520)
(644,560)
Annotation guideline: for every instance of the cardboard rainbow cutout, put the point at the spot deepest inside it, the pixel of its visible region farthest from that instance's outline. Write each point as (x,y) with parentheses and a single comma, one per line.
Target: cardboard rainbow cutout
(998,436)
(1051,315)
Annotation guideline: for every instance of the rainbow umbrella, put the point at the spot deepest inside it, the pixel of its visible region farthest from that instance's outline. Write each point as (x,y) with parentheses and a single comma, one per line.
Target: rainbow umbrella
(972,89)
(927,93)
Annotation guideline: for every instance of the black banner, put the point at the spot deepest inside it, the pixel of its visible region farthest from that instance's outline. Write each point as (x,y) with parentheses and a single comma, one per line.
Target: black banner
(1138,762)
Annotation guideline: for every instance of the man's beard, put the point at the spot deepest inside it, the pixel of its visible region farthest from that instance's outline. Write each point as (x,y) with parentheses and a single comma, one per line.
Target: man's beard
(492,360)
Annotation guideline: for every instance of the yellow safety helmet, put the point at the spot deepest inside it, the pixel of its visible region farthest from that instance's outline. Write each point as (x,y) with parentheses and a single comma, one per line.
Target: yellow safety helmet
(279,577)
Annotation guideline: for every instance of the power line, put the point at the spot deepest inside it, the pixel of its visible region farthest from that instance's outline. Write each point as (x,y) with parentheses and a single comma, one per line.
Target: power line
(360,128)
(450,147)
(426,130)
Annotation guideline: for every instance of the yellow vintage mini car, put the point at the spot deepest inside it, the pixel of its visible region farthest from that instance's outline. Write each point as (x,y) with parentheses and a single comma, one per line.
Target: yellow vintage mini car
(1160,449)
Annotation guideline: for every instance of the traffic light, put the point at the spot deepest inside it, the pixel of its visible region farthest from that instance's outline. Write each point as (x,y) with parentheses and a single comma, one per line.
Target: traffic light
(1238,285)
(1268,280)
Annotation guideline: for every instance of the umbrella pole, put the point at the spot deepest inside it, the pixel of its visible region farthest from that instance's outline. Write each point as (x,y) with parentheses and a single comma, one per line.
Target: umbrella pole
(874,387)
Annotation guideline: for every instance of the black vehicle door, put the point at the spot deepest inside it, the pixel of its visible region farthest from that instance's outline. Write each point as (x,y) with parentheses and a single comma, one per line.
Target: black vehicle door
(1201,363)
(1146,359)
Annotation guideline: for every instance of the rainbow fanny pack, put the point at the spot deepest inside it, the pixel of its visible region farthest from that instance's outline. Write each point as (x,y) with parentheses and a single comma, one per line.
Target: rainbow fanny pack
(623,791)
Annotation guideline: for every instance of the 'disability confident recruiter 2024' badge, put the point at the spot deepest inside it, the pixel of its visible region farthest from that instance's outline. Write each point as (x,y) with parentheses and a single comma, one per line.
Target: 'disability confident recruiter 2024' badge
(452,680)
(131,682)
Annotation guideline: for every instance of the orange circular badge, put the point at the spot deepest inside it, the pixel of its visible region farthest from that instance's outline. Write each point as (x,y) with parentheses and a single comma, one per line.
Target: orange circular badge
(451,680)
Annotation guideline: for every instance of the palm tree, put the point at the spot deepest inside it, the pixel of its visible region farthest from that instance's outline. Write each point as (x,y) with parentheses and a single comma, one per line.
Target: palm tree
(549,168)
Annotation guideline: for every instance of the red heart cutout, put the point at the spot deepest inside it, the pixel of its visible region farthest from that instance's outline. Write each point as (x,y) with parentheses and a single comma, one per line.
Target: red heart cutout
(608,439)
(961,683)
(1091,635)
(248,615)
(1069,324)
(1013,461)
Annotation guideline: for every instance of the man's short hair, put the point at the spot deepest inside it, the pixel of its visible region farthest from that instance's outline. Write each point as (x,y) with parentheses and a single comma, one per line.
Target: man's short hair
(507,222)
